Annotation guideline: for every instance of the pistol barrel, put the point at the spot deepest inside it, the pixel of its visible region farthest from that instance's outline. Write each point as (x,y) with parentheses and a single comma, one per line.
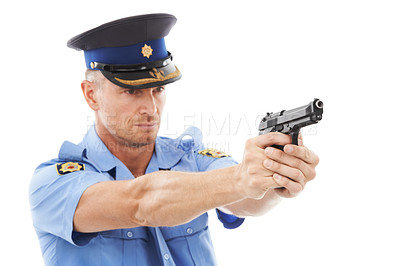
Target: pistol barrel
(288,121)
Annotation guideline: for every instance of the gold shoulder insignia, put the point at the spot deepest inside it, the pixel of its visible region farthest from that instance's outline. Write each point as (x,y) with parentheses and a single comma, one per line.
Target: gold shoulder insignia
(214,153)
(69,167)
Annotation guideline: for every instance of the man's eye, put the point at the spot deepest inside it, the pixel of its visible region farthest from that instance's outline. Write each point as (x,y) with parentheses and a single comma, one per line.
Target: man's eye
(160,89)
(131,91)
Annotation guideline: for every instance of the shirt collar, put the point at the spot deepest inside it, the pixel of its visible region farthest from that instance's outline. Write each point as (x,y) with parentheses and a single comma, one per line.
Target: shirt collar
(168,152)
(97,152)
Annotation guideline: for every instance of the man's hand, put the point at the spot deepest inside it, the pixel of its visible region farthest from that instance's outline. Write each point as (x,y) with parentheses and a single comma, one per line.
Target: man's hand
(293,167)
(267,174)
(254,178)
(264,167)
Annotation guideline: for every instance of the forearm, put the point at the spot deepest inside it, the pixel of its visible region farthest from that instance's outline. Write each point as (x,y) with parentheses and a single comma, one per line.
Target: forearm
(175,198)
(253,207)
(164,198)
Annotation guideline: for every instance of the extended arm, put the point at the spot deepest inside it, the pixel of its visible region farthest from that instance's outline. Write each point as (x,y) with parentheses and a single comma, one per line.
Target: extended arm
(169,198)
(164,198)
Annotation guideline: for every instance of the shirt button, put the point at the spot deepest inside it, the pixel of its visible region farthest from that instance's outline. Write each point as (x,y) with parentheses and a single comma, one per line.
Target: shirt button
(129,234)
(166,256)
(189,230)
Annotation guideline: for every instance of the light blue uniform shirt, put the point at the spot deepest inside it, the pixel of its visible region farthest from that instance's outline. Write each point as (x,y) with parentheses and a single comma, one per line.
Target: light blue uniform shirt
(54,198)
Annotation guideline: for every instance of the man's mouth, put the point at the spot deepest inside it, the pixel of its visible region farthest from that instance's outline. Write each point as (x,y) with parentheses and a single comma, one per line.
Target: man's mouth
(146,125)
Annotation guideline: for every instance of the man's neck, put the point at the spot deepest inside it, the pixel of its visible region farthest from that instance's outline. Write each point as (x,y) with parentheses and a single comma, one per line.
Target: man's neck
(136,159)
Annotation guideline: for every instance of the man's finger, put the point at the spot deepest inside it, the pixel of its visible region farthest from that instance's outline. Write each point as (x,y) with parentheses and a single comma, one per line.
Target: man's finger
(293,187)
(289,160)
(301,140)
(285,170)
(271,138)
(302,152)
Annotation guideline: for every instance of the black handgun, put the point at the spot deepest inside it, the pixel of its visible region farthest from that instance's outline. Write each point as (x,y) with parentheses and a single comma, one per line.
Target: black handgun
(291,121)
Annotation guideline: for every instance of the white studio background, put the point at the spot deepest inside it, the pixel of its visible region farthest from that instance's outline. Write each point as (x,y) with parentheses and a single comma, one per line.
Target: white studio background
(239,59)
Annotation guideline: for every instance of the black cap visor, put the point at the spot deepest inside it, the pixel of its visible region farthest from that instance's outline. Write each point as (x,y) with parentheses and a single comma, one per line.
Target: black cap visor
(141,76)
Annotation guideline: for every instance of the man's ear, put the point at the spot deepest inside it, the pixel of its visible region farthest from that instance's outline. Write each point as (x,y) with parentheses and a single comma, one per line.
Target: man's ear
(89,91)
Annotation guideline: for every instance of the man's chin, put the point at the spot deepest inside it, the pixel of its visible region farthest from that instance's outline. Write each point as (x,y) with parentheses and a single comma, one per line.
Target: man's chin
(137,143)
(141,137)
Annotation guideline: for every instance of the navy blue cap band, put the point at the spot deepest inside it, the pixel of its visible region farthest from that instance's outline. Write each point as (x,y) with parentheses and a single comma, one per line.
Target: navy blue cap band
(131,54)
(131,68)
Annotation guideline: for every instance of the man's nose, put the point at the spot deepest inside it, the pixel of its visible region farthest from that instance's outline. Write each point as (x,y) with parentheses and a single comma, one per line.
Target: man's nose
(148,106)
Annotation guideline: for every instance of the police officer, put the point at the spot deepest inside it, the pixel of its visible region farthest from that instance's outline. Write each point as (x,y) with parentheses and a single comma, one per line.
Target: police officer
(124,196)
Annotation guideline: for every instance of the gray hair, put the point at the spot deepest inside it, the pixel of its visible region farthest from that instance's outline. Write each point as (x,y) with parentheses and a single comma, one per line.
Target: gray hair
(93,76)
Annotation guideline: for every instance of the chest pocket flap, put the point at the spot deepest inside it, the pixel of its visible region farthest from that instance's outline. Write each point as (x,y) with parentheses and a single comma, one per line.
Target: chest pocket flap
(197,225)
(127,234)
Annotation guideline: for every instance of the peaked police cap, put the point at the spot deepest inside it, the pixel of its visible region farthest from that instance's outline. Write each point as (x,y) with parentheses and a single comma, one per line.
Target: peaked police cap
(130,52)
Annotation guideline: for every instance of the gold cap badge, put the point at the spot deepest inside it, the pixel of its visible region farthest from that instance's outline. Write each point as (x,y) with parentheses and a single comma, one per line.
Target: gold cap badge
(147,51)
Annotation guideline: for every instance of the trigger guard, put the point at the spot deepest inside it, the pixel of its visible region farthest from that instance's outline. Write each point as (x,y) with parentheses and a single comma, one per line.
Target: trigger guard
(295,137)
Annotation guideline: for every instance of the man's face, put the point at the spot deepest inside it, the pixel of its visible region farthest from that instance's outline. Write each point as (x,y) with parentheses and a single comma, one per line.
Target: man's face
(131,117)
